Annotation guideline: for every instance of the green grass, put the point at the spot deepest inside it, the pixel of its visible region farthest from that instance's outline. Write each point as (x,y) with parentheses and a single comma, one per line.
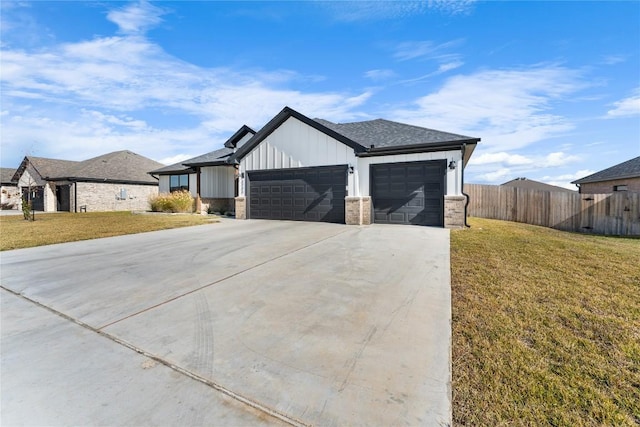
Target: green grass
(546,327)
(51,228)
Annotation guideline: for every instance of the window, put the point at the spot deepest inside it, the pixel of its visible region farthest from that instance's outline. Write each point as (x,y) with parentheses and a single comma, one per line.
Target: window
(178,182)
(619,188)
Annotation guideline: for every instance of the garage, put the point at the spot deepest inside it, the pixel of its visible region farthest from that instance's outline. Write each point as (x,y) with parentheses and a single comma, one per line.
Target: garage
(300,194)
(355,173)
(409,193)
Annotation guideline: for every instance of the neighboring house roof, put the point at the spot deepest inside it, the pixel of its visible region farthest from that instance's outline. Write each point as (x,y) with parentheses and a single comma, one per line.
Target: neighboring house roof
(628,169)
(6,176)
(120,166)
(530,184)
(368,138)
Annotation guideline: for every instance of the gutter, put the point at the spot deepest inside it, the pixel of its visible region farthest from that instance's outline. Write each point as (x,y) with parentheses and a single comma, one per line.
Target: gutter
(409,149)
(466,204)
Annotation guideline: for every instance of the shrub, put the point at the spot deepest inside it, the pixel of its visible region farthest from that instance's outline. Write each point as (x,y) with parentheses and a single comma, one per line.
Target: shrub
(178,201)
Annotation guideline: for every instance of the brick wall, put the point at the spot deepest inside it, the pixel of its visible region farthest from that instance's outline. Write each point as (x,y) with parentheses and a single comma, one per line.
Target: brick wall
(241,207)
(454,211)
(98,196)
(357,210)
(11,195)
(606,187)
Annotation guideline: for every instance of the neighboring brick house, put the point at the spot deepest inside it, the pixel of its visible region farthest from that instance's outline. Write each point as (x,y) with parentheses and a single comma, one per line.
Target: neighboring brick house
(531,184)
(209,176)
(9,190)
(624,176)
(115,181)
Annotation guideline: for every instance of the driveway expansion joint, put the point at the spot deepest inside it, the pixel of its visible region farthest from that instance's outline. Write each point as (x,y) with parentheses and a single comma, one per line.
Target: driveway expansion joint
(247,401)
(219,280)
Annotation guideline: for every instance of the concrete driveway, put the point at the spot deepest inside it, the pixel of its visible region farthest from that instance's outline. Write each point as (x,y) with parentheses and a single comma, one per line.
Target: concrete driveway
(236,323)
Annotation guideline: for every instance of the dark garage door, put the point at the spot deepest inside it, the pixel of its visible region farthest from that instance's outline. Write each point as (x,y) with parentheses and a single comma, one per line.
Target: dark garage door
(409,193)
(303,194)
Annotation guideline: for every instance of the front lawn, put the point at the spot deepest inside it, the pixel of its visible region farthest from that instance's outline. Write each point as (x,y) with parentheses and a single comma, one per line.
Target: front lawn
(546,327)
(52,228)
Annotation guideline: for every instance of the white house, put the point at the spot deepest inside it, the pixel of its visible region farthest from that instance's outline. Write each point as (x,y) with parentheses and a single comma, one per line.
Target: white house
(380,171)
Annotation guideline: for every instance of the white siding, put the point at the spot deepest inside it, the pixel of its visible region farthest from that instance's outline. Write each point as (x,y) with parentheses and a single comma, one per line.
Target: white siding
(217,181)
(163,186)
(453,182)
(295,144)
(243,140)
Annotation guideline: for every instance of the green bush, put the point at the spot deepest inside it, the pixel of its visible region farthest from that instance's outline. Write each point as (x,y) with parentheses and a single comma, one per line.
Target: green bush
(178,201)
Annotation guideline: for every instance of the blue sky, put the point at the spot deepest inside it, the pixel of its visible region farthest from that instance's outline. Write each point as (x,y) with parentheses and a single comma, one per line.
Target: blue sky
(551,88)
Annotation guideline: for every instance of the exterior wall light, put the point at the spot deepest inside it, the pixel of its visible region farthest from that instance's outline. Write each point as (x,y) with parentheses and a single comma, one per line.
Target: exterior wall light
(452,164)
(350,170)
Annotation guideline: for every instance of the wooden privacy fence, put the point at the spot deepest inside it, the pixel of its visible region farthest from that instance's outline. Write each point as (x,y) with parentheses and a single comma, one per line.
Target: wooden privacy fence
(609,214)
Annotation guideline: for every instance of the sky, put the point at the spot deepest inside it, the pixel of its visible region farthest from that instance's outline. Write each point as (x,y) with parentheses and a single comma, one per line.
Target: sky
(551,88)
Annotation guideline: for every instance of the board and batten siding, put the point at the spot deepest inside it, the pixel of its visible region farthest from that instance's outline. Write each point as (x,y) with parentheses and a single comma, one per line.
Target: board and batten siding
(217,181)
(453,180)
(163,184)
(295,144)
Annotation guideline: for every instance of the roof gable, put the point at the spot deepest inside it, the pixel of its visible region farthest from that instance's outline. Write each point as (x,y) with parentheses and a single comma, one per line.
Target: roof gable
(628,169)
(278,120)
(237,137)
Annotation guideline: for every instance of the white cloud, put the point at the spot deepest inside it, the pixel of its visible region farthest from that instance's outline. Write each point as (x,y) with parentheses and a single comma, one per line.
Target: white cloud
(104,94)
(559,159)
(508,109)
(351,11)
(377,75)
(501,157)
(626,107)
(175,159)
(564,180)
(425,49)
(495,176)
(136,18)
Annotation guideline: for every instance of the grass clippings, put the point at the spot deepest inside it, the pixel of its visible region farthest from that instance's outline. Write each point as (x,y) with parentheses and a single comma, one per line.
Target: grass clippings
(51,228)
(546,327)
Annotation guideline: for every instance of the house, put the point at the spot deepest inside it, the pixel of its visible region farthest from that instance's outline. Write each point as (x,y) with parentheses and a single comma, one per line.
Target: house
(624,176)
(111,182)
(530,184)
(9,191)
(380,171)
(210,176)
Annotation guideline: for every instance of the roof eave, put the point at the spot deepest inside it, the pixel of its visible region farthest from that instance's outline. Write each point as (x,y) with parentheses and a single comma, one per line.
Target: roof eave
(588,180)
(418,148)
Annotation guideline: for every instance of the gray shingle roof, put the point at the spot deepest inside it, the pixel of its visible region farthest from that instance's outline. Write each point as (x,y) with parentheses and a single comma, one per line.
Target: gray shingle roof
(385,133)
(119,166)
(172,169)
(531,184)
(6,176)
(215,157)
(628,169)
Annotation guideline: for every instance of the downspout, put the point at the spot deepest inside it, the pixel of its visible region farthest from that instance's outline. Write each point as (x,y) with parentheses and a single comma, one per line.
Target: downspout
(75,197)
(466,204)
